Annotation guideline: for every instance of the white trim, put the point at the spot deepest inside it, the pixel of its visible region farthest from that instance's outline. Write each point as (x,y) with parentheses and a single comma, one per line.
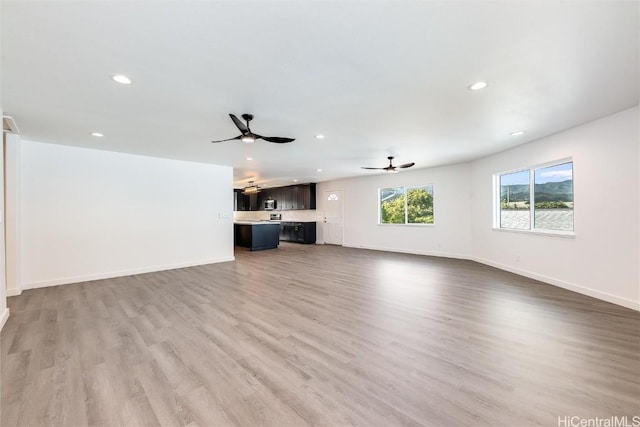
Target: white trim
(109,275)
(411,224)
(406,204)
(324,214)
(603,296)
(13,292)
(404,251)
(625,302)
(3,318)
(539,232)
(497,197)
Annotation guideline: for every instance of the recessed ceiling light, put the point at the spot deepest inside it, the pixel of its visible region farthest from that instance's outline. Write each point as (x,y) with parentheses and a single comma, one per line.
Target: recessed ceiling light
(478,85)
(97,134)
(319,136)
(295,180)
(318,170)
(249,158)
(122,79)
(517,133)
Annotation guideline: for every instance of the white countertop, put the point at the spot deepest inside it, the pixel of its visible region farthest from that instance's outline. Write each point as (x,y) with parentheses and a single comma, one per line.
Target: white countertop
(248,222)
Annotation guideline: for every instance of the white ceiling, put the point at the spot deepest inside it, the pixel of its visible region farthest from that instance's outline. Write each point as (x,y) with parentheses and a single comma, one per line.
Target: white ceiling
(377,78)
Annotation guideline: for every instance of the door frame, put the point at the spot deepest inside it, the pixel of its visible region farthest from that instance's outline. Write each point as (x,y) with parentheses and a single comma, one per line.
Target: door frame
(324,201)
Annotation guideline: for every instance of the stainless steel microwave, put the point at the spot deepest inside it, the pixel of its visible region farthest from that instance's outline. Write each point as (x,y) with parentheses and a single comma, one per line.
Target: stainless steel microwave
(269,205)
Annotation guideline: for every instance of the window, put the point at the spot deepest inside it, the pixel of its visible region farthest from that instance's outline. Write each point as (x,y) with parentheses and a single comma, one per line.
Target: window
(538,199)
(411,205)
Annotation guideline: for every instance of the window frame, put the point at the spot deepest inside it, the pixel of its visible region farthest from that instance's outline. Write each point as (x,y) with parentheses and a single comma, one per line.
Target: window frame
(406,210)
(497,210)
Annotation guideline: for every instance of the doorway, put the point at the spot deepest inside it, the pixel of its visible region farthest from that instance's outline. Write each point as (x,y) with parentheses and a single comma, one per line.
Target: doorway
(333,221)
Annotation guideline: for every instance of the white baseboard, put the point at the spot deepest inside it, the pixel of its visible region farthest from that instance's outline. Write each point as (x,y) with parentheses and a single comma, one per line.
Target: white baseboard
(412,252)
(112,274)
(3,318)
(14,292)
(614,299)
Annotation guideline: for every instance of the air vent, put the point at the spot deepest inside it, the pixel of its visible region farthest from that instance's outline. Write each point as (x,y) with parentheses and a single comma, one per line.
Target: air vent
(9,125)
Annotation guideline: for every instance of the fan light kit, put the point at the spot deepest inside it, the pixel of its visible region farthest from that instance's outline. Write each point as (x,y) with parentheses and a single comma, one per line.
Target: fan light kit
(122,79)
(248,136)
(478,85)
(391,168)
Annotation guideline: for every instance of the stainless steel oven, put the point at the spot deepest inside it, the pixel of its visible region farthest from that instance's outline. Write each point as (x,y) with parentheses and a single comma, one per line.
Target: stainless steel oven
(269,205)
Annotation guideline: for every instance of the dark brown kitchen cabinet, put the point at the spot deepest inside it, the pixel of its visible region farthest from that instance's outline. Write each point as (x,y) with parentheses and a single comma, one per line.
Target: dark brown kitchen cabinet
(245,202)
(286,194)
(292,197)
(262,197)
(307,196)
(300,232)
(297,197)
(276,195)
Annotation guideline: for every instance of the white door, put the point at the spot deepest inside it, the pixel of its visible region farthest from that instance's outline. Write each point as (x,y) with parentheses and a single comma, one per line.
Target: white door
(333,217)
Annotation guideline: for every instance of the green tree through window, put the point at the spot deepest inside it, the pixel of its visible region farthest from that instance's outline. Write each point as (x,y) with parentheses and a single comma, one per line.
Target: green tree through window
(406,206)
(393,210)
(419,206)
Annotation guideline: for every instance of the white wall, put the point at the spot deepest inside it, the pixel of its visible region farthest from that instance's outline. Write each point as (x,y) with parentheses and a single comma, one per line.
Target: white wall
(11,214)
(88,214)
(451,234)
(602,260)
(4,311)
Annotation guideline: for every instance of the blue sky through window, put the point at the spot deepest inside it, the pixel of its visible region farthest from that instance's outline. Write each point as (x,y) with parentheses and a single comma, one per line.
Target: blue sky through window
(557,173)
(516,178)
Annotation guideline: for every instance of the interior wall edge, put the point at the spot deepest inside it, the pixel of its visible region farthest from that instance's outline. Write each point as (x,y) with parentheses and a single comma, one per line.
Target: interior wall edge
(3,318)
(122,273)
(614,299)
(408,251)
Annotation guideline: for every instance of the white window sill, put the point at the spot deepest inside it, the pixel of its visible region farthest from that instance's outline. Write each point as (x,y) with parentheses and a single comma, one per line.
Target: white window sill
(537,232)
(407,225)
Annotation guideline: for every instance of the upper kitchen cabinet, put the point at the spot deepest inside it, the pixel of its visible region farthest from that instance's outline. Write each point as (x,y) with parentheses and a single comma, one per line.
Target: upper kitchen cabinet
(306,197)
(245,202)
(292,197)
(297,197)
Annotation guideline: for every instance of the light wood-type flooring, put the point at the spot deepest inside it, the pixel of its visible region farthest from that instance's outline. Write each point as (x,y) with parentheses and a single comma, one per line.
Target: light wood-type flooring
(317,335)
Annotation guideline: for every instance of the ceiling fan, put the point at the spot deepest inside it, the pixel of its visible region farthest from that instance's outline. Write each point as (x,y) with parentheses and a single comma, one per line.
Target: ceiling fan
(391,168)
(248,136)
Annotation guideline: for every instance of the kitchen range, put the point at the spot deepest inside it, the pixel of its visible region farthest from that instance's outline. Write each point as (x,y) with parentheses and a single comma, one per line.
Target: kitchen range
(258,216)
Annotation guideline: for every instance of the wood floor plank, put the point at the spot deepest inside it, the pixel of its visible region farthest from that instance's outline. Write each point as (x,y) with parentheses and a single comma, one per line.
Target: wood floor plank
(317,335)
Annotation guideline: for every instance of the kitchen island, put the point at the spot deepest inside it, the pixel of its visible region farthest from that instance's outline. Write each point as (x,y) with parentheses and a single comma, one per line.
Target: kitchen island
(257,235)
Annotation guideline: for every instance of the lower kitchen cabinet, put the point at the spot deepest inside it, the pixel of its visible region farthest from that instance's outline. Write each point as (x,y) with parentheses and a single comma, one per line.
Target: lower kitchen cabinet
(300,232)
(258,236)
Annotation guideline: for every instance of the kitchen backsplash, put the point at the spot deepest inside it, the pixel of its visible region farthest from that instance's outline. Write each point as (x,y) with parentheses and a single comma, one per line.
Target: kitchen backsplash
(297,215)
